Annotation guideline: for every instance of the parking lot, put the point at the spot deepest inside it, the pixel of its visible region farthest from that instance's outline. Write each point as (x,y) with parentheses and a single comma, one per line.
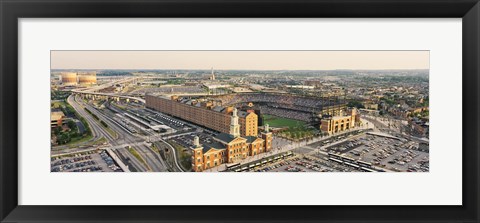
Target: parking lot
(164,119)
(396,154)
(84,162)
(294,162)
(167,120)
(313,164)
(336,138)
(187,139)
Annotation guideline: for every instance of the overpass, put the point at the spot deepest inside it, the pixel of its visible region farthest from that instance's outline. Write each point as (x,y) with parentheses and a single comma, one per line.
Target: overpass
(107,96)
(92,92)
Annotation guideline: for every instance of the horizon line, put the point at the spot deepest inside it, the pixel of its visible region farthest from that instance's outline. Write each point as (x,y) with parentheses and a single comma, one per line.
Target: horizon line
(238,69)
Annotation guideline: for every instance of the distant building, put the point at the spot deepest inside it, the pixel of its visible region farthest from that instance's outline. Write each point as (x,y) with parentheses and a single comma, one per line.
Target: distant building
(369,111)
(300,86)
(69,78)
(212,76)
(370,106)
(315,83)
(75,78)
(419,127)
(412,111)
(212,86)
(87,78)
(241,89)
(56,118)
(257,87)
(191,83)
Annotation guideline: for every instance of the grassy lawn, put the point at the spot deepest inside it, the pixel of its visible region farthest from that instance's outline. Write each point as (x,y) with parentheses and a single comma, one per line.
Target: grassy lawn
(59,95)
(75,139)
(137,155)
(279,122)
(99,141)
(111,132)
(79,140)
(58,104)
(155,149)
(102,124)
(119,106)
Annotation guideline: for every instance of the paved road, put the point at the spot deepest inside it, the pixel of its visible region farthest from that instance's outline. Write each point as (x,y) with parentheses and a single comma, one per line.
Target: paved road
(97,130)
(94,128)
(153,160)
(175,159)
(137,164)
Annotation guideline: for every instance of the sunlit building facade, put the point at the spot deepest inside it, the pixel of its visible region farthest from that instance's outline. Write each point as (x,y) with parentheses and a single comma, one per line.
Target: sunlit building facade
(229,147)
(204,113)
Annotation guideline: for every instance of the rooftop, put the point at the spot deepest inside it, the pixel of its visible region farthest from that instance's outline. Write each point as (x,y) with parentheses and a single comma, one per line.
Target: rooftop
(225,137)
(215,145)
(56,115)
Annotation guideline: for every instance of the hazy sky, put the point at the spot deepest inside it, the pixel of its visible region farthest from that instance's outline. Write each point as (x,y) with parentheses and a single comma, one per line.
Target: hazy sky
(241,60)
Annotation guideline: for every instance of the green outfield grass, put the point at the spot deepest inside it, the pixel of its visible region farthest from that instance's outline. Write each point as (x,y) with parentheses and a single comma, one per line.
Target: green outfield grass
(279,122)
(297,130)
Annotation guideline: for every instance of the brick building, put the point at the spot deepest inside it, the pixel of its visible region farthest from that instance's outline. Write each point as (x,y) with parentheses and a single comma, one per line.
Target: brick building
(204,113)
(339,123)
(229,147)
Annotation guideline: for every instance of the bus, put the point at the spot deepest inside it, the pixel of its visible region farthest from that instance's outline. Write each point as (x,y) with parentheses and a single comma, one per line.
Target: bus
(336,160)
(366,169)
(352,165)
(363,163)
(233,166)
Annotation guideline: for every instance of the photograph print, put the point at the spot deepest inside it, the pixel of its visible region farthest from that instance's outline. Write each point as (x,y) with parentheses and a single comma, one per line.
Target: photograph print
(239,111)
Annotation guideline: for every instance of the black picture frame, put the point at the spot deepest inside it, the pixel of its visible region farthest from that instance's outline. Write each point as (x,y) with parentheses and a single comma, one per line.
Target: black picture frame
(12,10)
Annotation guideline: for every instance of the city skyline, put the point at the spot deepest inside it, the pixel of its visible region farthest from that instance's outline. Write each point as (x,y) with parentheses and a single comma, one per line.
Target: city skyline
(241,60)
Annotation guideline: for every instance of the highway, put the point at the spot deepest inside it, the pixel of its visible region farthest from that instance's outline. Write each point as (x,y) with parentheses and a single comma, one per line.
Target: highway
(94,128)
(152,159)
(93,90)
(152,137)
(174,152)
(98,132)
(137,164)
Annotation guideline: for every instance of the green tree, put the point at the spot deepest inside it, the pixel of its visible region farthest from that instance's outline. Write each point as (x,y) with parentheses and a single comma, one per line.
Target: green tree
(71,124)
(356,104)
(57,130)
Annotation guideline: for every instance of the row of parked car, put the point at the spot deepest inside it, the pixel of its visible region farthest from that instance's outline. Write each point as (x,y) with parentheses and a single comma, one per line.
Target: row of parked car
(60,164)
(110,163)
(267,167)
